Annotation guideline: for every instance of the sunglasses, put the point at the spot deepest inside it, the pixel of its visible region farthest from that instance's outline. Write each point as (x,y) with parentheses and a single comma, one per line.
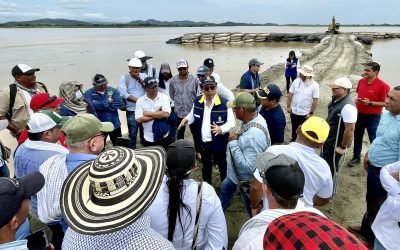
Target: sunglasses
(209,88)
(181,69)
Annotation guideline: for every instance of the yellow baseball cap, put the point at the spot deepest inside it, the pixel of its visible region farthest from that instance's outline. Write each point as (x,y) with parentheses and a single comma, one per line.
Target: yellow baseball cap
(315,129)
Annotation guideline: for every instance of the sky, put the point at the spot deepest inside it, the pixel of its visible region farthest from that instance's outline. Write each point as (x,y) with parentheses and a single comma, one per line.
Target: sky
(217,11)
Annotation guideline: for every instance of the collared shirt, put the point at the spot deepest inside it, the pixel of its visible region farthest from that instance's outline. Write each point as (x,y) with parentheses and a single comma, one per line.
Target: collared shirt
(137,235)
(252,232)
(21,107)
(105,111)
(276,122)
(212,232)
(75,159)
(134,89)
(145,104)
(317,174)
(245,151)
(183,94)
(15,245)
(385,149)
(28,160)
(303,96)
(206,125)
(386,224)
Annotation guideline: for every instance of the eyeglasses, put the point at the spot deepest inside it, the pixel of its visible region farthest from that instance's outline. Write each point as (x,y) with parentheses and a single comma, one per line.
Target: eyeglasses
(200,76)
(50,100)
(97,135)
(182,69)
(209,88)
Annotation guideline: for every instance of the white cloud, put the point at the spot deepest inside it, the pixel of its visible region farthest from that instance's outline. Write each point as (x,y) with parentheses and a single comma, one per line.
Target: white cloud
(76,4)
(7,6)
(96,16)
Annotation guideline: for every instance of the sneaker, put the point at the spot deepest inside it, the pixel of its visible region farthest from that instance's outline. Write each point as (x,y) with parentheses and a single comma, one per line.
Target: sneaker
(354,162)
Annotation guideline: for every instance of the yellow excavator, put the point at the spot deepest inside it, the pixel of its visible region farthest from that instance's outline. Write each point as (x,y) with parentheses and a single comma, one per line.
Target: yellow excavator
(333,28)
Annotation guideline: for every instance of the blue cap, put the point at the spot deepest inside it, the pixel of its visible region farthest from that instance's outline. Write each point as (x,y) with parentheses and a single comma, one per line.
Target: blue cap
(271,91)
(208,80)
(149,82)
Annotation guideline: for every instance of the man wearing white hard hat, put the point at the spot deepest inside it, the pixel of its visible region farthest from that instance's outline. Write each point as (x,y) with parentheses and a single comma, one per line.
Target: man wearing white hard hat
(302,98)
(342,117)
(131,89)
(146,68)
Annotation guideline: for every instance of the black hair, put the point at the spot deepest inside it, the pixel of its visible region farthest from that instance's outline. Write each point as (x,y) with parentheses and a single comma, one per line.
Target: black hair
(161,81)
(374,66)
(175,203)
(397,88)
(35,136)
(292,53)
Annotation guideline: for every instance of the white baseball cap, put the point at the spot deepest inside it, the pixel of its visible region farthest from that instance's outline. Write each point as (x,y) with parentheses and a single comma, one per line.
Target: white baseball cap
(341,82)
(45,120)
(181,63)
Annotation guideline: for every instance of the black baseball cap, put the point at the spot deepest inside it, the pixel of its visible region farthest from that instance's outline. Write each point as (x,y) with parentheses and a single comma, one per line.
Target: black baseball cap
(23,69)
(181,156)
(209,62)
(99,80)
(271,91)
(14,191)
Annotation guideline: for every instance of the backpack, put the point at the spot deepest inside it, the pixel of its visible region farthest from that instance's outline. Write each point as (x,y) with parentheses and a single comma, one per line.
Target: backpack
(13,94)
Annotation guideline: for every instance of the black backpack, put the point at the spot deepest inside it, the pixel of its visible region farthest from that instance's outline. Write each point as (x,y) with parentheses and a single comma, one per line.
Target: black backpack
(13,94)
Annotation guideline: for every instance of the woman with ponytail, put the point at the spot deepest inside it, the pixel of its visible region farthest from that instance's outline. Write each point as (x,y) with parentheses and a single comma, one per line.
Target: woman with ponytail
(181,202)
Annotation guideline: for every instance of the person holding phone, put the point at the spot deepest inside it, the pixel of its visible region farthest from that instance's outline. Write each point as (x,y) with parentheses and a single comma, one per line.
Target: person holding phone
(14,206)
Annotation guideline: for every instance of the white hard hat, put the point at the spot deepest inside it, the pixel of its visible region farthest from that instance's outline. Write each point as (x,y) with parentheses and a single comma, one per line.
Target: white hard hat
(141,55)
(135,62)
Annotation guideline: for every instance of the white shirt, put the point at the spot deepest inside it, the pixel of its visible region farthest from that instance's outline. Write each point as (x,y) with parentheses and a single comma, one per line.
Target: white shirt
(166,92)
(317,174)
(216,76)
(252,233)
(303,96)
(28,98)
(212,224)
(349,113)
(386,224)
(206,124)
(145,104)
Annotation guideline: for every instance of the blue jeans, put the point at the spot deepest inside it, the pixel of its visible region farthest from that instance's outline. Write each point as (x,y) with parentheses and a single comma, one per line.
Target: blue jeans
(4,171)
(228,188)
(369,122)
(376,195)
(378,245)
(133,128)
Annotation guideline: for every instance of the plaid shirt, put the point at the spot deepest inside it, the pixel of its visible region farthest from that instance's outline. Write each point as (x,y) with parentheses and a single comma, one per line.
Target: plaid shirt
(305,230)
(183,94)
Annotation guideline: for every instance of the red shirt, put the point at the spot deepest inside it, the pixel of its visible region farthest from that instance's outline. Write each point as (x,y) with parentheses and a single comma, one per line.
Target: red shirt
(376,92)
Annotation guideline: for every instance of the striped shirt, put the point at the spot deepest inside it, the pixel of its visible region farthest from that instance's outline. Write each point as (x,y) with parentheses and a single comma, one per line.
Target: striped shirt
(385,149)
(183,94)
(252,233)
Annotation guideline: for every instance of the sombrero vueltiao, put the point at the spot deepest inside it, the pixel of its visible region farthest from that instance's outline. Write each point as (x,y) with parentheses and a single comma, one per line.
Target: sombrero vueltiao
(106,194)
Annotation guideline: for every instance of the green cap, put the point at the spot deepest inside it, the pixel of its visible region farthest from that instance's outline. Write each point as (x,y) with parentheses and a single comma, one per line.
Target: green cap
(84,126)
(243,100)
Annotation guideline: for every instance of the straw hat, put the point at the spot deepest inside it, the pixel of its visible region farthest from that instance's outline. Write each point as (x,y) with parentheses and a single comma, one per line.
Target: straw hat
(109,193)
(306,71)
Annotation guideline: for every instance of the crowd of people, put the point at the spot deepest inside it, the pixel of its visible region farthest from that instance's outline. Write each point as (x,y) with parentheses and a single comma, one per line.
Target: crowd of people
(128,196)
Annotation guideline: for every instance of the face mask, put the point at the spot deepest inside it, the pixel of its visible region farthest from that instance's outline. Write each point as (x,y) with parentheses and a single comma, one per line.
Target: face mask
(78,95)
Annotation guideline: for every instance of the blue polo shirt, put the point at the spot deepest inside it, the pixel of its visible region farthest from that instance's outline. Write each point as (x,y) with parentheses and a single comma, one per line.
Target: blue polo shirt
(385,149)
(73,160)
(276,122)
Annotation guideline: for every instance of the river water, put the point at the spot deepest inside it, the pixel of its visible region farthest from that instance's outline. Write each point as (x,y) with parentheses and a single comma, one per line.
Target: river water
(79,53)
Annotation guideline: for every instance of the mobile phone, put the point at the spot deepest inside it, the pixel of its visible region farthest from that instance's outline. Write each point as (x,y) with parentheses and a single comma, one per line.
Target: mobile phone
(123,142)
(38,240)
